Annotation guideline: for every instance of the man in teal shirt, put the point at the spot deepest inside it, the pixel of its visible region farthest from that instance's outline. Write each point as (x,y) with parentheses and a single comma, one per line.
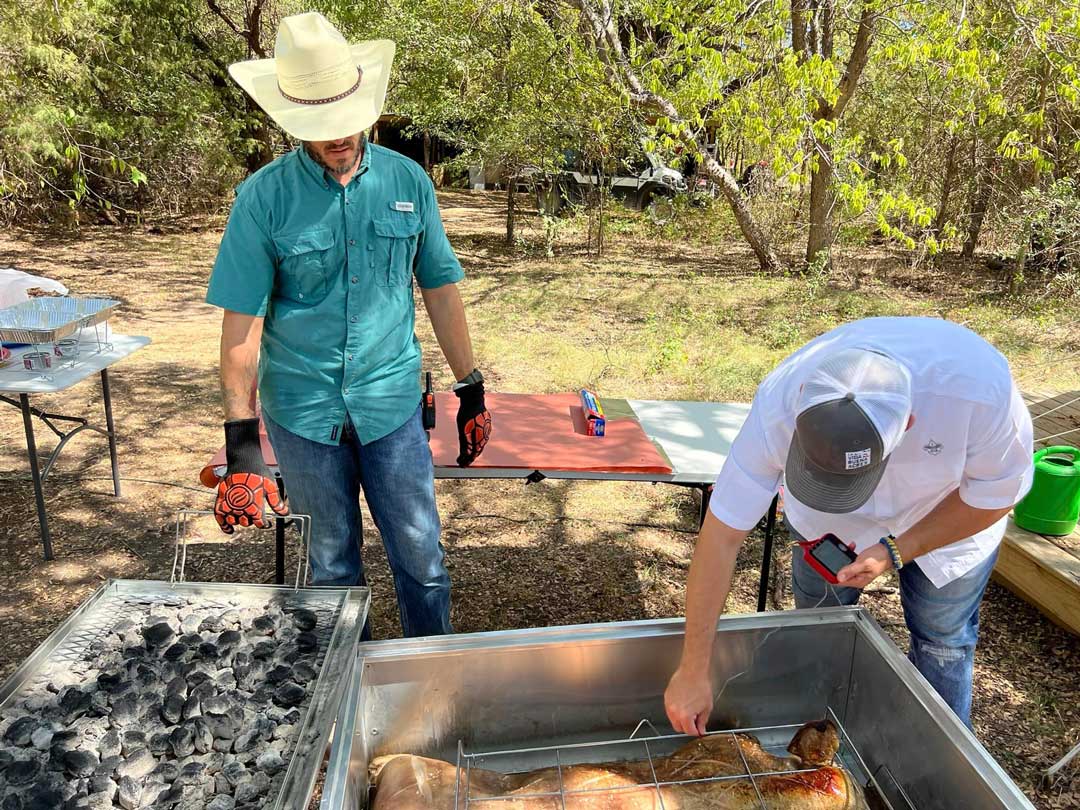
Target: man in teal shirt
(315,274)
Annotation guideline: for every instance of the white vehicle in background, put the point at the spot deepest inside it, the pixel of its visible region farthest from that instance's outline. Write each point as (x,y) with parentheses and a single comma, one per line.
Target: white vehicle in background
(647,183)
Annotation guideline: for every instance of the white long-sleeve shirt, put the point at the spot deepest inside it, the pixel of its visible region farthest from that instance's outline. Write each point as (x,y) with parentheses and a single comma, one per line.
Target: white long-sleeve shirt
(972,432)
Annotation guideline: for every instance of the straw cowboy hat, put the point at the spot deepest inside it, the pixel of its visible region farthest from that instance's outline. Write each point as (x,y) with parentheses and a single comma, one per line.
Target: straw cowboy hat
(318,87)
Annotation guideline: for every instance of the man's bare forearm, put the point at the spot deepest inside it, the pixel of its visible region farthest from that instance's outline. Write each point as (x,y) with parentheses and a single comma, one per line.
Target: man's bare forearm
(951,520)
(447,314)
(707,590)
(240,337)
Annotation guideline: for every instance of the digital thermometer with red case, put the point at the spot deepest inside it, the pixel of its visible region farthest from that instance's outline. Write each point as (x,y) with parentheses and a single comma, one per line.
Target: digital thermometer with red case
(827,555)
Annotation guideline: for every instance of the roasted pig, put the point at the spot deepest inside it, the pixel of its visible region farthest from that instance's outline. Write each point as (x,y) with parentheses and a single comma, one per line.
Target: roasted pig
(808,780)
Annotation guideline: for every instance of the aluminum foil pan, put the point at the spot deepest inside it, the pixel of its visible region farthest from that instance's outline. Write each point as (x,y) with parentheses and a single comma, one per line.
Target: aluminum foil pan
(48,320)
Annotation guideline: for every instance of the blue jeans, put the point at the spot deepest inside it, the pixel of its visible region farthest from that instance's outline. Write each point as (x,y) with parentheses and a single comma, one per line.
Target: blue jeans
(398,481)
(944,622)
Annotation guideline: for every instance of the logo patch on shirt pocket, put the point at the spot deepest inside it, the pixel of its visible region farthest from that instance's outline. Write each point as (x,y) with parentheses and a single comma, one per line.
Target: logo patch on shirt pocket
(403,206)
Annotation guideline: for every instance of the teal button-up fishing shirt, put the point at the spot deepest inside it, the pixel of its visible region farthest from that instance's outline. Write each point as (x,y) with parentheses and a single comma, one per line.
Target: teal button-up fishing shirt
(330,268)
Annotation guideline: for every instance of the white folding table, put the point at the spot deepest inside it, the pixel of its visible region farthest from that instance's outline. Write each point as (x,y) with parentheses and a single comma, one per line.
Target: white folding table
(17,382)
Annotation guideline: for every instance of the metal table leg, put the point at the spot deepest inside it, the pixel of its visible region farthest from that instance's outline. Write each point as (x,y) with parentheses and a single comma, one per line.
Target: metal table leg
(703,506)
(106,395)
(766,554)
(35,474)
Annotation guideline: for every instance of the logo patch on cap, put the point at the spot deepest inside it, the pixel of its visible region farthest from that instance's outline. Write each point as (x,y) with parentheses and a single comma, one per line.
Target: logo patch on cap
(857,459)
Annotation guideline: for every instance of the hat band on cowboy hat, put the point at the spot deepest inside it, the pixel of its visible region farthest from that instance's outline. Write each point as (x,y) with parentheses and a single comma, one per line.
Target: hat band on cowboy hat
(331,99)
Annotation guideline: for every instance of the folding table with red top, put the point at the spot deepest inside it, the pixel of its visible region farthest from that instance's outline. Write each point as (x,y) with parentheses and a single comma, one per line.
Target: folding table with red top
(538,436)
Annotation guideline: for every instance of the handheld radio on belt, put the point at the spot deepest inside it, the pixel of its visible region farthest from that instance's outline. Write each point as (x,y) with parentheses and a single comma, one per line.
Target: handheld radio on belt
(427,407)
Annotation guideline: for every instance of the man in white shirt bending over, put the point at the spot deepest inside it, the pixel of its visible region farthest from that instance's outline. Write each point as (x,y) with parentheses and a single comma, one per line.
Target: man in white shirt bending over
(905,437)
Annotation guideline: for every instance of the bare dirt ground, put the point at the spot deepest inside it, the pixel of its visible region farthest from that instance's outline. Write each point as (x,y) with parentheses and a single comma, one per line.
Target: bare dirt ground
(653,318)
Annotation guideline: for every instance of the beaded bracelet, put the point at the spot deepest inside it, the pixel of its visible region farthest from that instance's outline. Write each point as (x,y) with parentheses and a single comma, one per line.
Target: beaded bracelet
(894,551)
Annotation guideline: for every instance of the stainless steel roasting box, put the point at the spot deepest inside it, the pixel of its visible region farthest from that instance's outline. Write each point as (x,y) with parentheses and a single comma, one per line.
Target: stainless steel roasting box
(341,615)
(517,700)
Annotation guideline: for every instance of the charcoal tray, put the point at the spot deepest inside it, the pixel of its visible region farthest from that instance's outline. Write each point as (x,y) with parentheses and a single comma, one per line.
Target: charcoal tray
(341,612)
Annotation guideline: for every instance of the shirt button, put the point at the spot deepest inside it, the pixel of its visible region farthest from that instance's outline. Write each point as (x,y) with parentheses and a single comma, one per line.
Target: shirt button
(301,295)
(370,247)
(353,319)
(355,279)
(352,241)
(350,357)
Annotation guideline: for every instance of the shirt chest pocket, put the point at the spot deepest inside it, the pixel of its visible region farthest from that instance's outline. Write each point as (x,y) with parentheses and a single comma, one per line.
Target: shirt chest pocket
(305,265)
(396,239)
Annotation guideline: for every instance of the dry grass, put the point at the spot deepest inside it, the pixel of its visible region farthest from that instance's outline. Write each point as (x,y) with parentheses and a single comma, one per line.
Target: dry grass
(653,318)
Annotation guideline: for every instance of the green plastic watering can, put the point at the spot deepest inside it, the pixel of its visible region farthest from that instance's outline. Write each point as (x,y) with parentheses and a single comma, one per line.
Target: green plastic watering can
(1053,504)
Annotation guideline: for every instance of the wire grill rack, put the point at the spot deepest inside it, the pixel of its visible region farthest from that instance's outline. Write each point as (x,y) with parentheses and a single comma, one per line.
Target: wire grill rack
(642,748)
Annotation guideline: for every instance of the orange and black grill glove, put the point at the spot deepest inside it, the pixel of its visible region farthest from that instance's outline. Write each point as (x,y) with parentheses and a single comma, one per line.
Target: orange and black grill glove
(473,421)
(248,484)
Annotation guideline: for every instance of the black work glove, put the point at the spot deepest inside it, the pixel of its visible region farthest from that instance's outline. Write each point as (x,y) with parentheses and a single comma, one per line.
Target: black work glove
(247,485)
(473,422)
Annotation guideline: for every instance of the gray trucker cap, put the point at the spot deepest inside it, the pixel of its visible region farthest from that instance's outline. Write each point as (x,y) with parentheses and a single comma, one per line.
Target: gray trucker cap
(851,413)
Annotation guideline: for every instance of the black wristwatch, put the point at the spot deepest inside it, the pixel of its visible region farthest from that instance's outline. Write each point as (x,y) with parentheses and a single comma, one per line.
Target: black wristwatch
(474,377)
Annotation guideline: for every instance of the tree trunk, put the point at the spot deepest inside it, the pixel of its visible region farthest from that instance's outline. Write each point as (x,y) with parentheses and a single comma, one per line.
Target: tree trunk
(257,130)
(510,211)
(822,202)
(946,190)
(751,231)
(983,191)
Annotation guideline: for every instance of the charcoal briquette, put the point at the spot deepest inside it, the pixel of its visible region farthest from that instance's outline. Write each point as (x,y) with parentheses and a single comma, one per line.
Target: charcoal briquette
(203,737)
(74,703)
(307,642)
(177,686)
(263,650)
(109,745)
(158,634)
(159,743)
(263,625)
(80,764)
(172,709)
(13,801)
(269,762)
(125,711)
(289,694)
(211,624)
(222,802)
(166,771)
(22,771)
(192,708)
(303,672)
(182,741)
(279,673)
(196,677)
(128,793)
(234,772)
(305,619)
(20,732)
(42,797)
(246,741)
(261,696)
(209,650)
(175,652)
(133,739)
(230,638)
(42,738)
(138,765)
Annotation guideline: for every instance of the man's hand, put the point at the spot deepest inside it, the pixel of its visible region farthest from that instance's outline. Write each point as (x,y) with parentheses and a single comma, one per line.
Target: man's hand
(473,422)
(868,566)
(688,701)
(247,486)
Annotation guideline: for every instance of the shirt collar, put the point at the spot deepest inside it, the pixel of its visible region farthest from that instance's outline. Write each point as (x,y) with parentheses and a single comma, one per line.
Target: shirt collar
(323,177)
